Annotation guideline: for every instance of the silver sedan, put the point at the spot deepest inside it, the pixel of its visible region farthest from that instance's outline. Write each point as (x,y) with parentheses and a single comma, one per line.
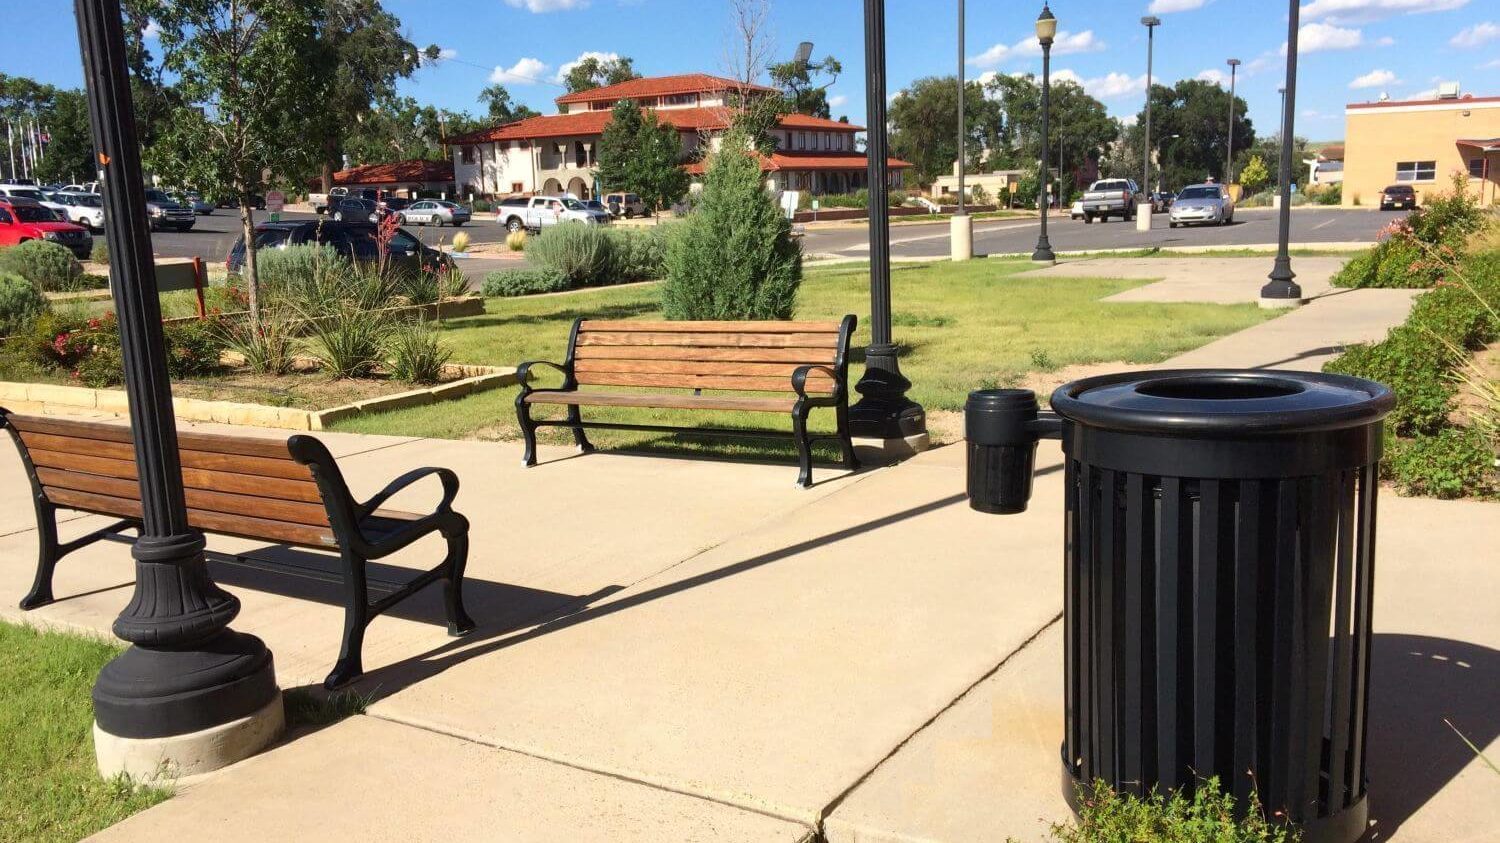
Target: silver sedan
(437,212)
(1202,204)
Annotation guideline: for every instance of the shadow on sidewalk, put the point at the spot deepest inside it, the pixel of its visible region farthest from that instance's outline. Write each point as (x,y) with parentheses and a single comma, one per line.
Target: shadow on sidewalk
(1417,683)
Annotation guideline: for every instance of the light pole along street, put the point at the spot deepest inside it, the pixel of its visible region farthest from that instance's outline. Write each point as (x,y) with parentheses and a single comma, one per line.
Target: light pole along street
(884,418)
(1143,209)
(1046,31)
(961,228)
(190,694)
(1281,290)
(1234,65)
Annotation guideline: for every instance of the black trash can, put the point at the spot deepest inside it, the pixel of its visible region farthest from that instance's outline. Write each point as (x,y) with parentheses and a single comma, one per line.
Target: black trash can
(1220,540)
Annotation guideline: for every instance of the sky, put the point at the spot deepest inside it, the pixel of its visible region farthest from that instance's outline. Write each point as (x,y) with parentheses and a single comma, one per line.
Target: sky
(1350,50)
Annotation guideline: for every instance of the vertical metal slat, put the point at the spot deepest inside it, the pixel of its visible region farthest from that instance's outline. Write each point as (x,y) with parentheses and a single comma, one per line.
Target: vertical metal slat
(1168,576)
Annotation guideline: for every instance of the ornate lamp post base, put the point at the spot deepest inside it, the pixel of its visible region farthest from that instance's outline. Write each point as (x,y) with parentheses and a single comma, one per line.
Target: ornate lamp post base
(885,424)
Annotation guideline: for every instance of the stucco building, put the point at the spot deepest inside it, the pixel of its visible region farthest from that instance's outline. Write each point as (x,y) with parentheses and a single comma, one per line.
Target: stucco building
(558,153)
(1422,143)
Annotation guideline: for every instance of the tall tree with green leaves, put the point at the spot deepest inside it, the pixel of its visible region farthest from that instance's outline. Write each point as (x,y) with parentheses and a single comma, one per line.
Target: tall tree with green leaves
(619,147)
(252,75)
(502,109)
(1080,126)
(642,155)
(597,72)
(1196,112)
(923,118)
(802,92)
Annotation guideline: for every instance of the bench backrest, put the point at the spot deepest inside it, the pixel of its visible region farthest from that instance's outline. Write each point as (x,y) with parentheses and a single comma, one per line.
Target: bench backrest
(745,356)
(234,485)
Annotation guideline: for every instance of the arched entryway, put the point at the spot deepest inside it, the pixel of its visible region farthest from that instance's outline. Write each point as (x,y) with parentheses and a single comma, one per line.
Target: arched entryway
(578,187)
(552,187)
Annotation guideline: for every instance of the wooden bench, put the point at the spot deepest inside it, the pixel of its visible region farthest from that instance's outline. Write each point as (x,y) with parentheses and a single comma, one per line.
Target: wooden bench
(288,492)
(807,362)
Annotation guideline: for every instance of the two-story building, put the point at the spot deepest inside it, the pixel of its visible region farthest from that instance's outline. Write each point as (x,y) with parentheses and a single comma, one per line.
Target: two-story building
(557,154)
(1422,143)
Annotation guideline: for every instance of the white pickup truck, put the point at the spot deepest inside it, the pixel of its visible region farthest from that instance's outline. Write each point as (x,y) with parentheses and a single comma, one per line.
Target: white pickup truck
(1111,198)
(538,212)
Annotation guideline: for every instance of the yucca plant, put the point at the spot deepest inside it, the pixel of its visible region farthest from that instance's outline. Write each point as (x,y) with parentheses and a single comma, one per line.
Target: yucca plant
(461,242)
(350,341)
(418,354)
(269,349)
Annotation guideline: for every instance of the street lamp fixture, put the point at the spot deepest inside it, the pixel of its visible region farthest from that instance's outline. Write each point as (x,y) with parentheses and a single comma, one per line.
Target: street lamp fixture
(1151,22)
(1234,66)
(1046,32)
(1281,290)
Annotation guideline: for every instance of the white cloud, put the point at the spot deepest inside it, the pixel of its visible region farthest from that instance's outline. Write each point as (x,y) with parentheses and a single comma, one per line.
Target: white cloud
(152,31)
(447,53)
(1384,41)
(527,71)
(1428,94)
(562,72)
(838,101)
(1167,7)
(1129,120)
(542,6)
(1374,79)
(1317,37)
(1108,86)
(1491,65)
(1214,75)
(1066,43)
(1366,11)
(1479,33)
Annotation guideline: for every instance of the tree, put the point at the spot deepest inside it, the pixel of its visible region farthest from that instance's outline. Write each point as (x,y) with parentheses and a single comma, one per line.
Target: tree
(1269,150)
(795,79)
(641,155)
(1255,175)
(500,106)
(1197,112)
(61,114)
(734,257)
(250,72)
(923,118)
(1080,127)
(619,146)
(596,72)
(747,47)
(398,128)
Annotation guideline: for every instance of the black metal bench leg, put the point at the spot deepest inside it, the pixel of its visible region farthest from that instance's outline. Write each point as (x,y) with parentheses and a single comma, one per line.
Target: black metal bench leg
(356,617)
(804,446)
(580,438)
(846,442)
(528,430)
(459,622)
(47,556)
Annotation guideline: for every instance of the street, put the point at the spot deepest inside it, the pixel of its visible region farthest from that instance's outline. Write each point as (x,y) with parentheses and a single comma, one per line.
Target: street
(213,235)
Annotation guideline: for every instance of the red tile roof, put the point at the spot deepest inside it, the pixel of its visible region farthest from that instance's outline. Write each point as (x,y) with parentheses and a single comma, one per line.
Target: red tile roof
(659,86)
(414,170)
(593,123)
(811,161)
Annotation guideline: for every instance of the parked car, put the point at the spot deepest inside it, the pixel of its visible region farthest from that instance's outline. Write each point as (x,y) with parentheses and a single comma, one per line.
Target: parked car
(25,219)
(353,240)
(193,199)
(625,205)
(86,209)
(1398,196)
(257,202)
(437,212)
(35,194)
(392,205)
(353,209)
(86,187)
(1202,204)
(165,212)
(321,202)
(1111,198)
(1076,212)
(538,212)
(594,205)
(1161,202)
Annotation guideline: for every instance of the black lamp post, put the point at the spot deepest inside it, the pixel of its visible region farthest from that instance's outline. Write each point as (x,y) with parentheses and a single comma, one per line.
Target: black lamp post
(1234,66)
(1046,31)
(1281,290)
(1151,23)
(961,128)
(883,411)
(186,671)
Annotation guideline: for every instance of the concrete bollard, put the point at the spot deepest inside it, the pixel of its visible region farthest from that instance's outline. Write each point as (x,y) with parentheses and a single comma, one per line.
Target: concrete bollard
(962,237)
(1143,216)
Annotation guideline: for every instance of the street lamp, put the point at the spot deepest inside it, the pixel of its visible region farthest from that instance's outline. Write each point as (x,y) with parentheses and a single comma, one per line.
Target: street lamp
(1234,66)
(1151,22)
(883,412)
(961,228)
(186,672)
(1046,31)
(1281,290)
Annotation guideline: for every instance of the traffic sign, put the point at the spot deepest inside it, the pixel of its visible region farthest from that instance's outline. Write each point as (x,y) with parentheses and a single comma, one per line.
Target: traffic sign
(275,201)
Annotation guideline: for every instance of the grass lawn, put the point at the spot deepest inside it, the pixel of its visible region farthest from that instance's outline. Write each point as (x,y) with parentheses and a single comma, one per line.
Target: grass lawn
(49,789)
(960,327)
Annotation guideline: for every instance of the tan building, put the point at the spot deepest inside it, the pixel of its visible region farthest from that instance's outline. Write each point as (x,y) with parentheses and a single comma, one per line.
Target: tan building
(1422,143)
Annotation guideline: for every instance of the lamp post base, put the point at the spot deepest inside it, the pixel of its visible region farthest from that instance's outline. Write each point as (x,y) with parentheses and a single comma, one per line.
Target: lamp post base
(175,757)
(1269,303)
(875,451)
(961,237)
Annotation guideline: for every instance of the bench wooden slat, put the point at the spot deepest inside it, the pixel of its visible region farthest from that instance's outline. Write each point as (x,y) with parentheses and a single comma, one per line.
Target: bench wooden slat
(818,356)
(195,478)
(677,401)
(216,522)
(594,325)
(187,440)
(695,367)
(713,340)
(283,467)
(679,381)
(212,501)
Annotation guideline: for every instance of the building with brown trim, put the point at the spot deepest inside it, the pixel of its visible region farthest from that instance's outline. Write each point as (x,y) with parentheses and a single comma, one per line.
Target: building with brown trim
(1422,143)
(558,153)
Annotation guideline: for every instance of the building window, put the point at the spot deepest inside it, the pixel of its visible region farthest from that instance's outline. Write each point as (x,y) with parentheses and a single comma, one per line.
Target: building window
(466,153)
(1476,168)
(516,187)
(678,99)
(1416,171)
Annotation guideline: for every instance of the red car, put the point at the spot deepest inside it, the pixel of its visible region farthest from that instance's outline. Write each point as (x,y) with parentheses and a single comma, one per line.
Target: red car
(26,219)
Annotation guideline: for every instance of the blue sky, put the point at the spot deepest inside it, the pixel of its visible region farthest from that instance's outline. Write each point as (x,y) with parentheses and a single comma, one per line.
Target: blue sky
(1352,50)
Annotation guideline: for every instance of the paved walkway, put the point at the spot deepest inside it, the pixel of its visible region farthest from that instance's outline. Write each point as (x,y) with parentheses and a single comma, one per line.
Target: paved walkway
(687,649)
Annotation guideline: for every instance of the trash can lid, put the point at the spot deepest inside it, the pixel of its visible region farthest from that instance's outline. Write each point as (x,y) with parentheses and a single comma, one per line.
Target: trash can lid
(1223,401)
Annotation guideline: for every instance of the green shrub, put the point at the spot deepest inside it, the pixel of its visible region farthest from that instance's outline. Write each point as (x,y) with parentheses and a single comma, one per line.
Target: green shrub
(417,353)
(100,252)
(421,287)
(580,252)
(47,265)
(349,341)
(1333,194)
(453,283)
(1455,462)
(101,368)
(516,241)
(523,282)
(637,254)
(192,348)
(268,349)
(1412,362)
(1454,312)
(483,206)
(1206,815)
(734,257)
(20,303)
(1360,270)
(1449,217)
(1404,264)
(297,273)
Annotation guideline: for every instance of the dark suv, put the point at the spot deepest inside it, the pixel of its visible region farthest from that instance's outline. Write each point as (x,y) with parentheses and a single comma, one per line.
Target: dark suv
(1398,196)
(353,240)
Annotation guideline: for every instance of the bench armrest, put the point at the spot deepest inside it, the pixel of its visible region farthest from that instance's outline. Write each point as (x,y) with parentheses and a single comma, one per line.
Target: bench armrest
(523,374)
(446,476)
(799,380)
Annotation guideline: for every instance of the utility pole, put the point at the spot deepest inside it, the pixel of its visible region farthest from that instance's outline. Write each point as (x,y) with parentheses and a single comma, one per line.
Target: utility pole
(1234,66)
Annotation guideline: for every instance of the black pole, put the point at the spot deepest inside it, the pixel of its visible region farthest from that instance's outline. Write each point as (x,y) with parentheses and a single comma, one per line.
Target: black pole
(1043,247)
(883,410)
(1150,23)
(961,91)
(1281,289)
(186,670)
(1234,66)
